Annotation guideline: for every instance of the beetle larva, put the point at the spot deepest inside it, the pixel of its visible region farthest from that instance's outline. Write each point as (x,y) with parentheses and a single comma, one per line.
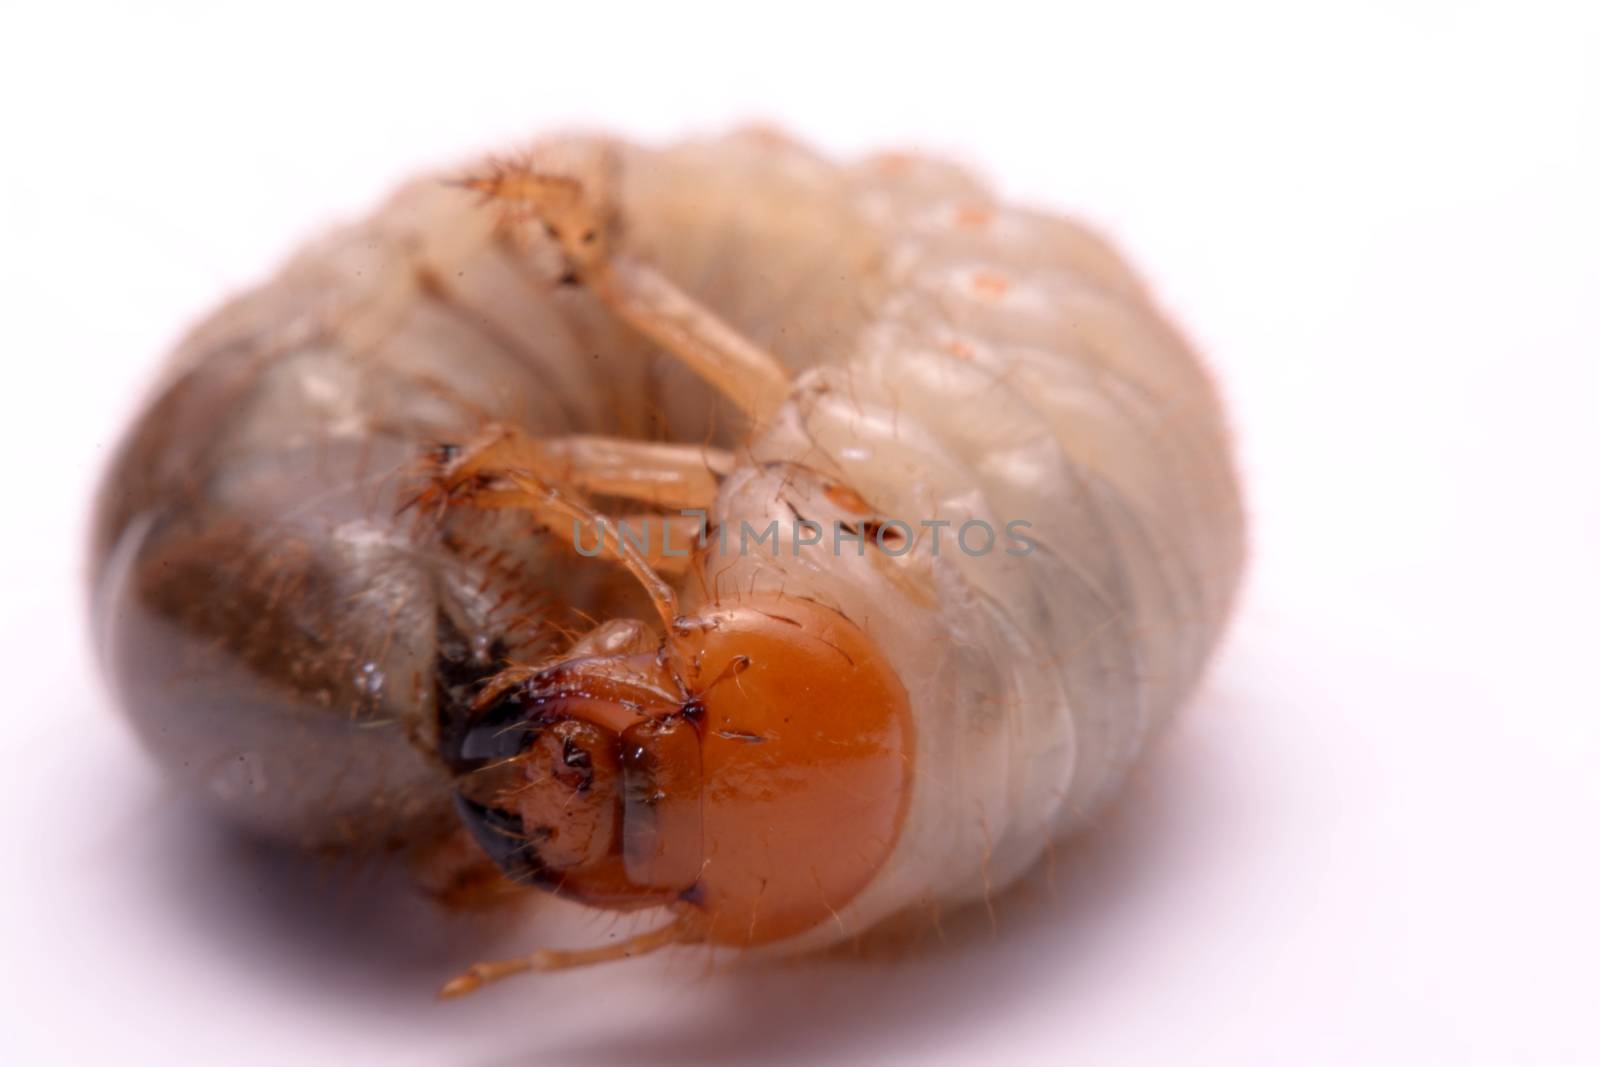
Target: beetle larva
(968,531)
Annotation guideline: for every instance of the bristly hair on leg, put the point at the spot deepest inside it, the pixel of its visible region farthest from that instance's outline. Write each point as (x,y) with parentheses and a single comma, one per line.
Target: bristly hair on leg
(572,198)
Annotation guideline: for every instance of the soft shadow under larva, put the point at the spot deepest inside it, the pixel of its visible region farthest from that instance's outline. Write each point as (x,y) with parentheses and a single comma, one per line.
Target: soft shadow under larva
(967,974)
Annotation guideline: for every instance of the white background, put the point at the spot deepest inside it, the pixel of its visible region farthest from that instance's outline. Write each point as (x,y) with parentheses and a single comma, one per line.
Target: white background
(1372,836)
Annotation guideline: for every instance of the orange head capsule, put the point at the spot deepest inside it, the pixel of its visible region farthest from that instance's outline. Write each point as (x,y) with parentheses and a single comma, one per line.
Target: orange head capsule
(752,773)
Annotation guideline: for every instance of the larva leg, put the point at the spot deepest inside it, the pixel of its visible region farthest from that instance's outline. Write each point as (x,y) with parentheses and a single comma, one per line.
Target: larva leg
(491,476)
(737,368)
(666,543)
(665,475)
(481,974)
(580,217)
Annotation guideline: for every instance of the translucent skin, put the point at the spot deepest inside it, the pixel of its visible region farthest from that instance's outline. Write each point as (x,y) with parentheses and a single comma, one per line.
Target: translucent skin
(294,646)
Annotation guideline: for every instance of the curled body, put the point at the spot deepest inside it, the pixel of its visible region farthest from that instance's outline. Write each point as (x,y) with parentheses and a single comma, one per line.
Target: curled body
(332,576)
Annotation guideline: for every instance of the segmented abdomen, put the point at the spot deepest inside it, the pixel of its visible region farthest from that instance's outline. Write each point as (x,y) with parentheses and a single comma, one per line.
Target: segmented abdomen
(1007,367)
(285,635)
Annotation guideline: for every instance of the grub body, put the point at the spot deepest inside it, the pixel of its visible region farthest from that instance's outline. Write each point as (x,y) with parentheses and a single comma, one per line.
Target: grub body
(293,643)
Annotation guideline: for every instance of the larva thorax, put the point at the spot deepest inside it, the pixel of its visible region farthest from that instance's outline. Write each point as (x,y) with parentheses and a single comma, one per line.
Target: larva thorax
(900,360)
